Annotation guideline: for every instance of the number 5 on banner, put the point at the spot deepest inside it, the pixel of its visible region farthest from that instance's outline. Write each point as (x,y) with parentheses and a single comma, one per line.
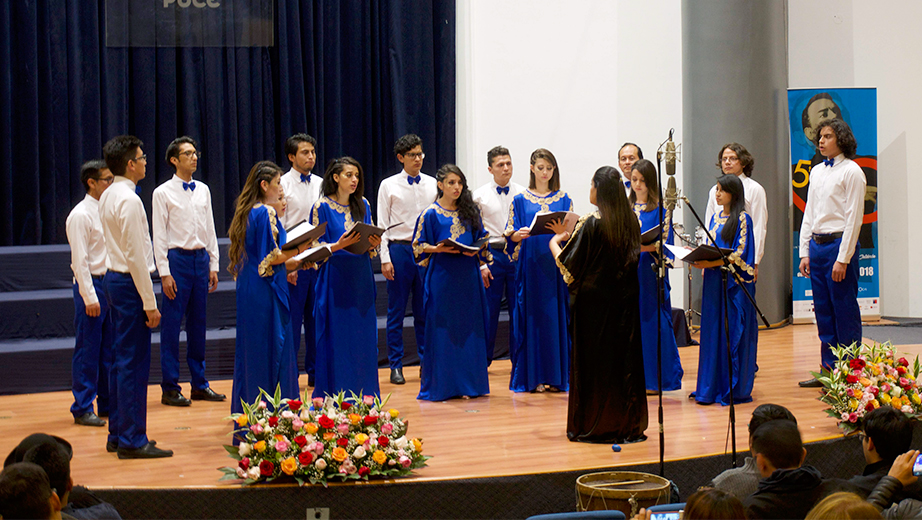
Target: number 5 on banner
(800,169)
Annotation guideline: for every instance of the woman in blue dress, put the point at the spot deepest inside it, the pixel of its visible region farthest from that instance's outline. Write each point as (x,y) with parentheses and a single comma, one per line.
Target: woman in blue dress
(453,293)
(645,203)
(540,348)
(344,309)
(264,356)
(732,229)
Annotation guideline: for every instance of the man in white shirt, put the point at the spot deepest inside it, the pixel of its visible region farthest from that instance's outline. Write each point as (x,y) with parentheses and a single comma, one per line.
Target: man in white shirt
(130,294)
(186,251)
(628,154)
(401,199)
(92,324)
(829,239)
(735,159)
(302,190)
(494,199)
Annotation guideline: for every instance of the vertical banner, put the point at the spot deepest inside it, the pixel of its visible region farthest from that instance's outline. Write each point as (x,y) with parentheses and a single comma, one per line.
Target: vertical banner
(858,108)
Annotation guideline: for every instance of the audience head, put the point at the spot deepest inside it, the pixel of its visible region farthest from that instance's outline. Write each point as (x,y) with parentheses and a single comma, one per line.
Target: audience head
(643,177)
(25,492)
(886,433)
(628,154)
(713,504)
(55,460)
(839,138)
(182,154)
(499,163)
(19,452)
(768,412)
(734,159)
(301,150)
(843,506)
(543,163)
(777,445)
(124,156)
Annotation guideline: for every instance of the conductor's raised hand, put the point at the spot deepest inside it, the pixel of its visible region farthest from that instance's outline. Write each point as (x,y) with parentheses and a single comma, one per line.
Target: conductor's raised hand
(557,226)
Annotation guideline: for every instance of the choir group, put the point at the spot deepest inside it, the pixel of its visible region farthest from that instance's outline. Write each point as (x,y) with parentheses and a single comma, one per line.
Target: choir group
(584,312)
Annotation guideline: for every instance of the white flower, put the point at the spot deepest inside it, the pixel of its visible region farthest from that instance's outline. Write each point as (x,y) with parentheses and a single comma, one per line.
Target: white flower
(253,472)
(401,443)
(288,414)
(244,449)
(305,414)
(359,452)
(391,462)
(321,464)
(241,473)
(906,409)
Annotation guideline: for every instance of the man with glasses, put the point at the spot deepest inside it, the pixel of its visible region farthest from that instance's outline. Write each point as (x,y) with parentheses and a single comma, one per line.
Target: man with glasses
(92,323)
(628,154)
(186,251)
(130,294)
(302,190)
(401,199)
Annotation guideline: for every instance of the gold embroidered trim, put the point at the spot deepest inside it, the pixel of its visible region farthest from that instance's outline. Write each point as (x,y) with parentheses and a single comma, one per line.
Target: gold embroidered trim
(567,277)
(547,200)
(265,268)
(509,231)
(457,228)
(736,256)
(418,247)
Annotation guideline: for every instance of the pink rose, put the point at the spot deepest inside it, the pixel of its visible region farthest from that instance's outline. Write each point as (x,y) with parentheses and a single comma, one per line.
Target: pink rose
(874,391)
(343,428)
(852,417)
(263,405)
(850,392)
(317,402)
(256,428)
(885,387)
(387,428)
(405,461)
(349,466)
(282,446)
(317,448)
(369,400)
(297,424)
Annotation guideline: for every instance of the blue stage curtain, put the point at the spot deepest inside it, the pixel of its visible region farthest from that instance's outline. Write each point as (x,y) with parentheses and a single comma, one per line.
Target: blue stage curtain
(355,74)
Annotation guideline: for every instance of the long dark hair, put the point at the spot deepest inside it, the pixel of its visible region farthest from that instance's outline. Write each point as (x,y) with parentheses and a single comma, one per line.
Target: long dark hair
(543,153)
(468,210)
(330,186)
(646,168)
(619,224)
(250,195)
(734,186)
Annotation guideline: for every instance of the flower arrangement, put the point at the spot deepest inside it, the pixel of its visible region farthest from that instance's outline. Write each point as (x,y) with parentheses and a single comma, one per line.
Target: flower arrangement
(335,437)
(866,377)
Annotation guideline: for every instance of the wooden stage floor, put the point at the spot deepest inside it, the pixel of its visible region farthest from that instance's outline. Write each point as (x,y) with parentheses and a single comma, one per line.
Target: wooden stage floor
(498,435)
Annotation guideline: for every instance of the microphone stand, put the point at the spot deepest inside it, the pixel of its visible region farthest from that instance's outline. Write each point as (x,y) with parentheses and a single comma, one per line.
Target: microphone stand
(660,297)
(739,282)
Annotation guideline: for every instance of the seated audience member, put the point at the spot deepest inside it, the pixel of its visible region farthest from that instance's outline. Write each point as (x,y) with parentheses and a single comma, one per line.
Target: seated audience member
(53,454)
(744,481)
(787,489)
(26,493)
(899,476)
(707,504)
(886,433)
(843,506)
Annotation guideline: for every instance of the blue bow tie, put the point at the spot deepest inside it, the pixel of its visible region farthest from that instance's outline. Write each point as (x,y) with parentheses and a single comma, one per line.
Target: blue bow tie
(830,162)
(414,180)
(627,184)
(502,190)
(306,178)
(188,186)
(137,189)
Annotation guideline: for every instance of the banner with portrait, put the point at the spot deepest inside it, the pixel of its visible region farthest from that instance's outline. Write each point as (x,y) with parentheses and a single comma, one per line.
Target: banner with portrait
(858,108)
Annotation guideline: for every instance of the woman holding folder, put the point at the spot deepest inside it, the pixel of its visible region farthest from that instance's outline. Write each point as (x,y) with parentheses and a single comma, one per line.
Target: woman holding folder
(731,228)
(453,292)
(645,203)
(264,356)
(540,348)
(344,309)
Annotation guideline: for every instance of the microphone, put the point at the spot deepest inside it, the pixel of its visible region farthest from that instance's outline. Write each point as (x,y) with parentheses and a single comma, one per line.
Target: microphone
(670,154)
(670,198)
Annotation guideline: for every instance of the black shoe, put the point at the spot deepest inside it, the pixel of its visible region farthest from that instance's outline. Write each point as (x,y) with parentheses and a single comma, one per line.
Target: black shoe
(397,376)
(89,419)
(112,447)
(207,395)
(149,451)
(174,398)
(810,383)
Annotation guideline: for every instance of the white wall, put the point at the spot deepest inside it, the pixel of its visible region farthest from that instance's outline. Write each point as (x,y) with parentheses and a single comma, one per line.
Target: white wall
(844,43)
(578,78)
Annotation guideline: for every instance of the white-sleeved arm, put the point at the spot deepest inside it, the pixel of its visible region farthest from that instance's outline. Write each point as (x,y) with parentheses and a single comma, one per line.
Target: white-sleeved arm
(711,207)
(759,208)
(78,233)
(133,222)
(212,237)
(161,216)
(806,226)
(384,220)
(855,186)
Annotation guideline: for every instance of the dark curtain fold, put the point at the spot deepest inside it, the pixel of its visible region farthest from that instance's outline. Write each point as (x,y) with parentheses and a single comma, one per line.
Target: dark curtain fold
(355,74)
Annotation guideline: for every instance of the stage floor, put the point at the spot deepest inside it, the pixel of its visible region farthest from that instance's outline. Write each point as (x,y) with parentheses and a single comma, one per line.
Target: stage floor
(501,434)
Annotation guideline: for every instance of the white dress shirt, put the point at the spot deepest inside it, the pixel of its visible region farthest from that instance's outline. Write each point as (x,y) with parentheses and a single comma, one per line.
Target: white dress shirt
(128,247)
(835,203)
(400,201)
(300,196)
(183,219)
(494,207)
(87,247)
(756,206)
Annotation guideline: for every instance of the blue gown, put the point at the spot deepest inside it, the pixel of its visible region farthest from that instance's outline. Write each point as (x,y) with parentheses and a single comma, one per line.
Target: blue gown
(540,348)
(744,329)
(264,356)
(345,324)
(646,274)
(455,303)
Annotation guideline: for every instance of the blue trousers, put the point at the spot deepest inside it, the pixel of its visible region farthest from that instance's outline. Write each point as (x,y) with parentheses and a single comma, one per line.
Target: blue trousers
(190,272)
(302,313)
(92,355)
(407,280)
(503,284)
(835,304)
(131,366)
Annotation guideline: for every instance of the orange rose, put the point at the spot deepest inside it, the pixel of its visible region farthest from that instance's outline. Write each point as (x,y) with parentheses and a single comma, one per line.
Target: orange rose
(260,446)
(394,413)
(417,445)
(339,454)
(289,466)
(360,438)
(242,421)
(328,436)
(311,428)
(355,418)
(379,457)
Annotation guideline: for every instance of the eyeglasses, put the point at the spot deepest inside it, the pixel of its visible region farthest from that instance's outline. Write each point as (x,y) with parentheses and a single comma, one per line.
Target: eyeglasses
(414,155)
(107,180)
(139,159)
(190,153)
(730,159)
